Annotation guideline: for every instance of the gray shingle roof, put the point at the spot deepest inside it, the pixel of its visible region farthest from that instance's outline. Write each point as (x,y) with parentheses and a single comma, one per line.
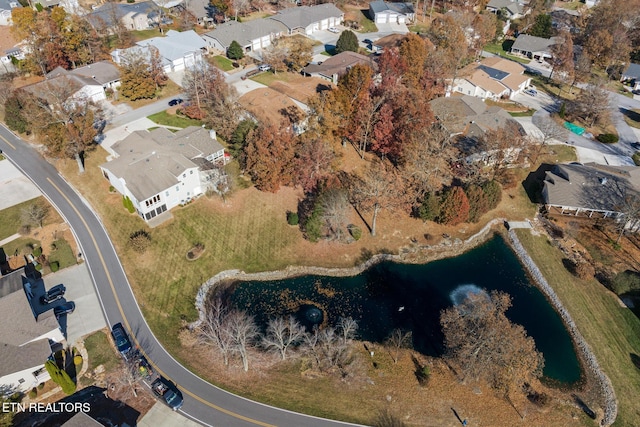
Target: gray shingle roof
(175,44)
(528,43)
(338,64)
(106,12)
(633,71)
(511,5)
(150,162)
(381,6)
(303,16)
(101,72)
(245,32)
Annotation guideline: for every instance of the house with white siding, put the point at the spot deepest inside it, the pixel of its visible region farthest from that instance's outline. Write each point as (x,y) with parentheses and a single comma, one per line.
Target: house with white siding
(383,12)
(252,35)
(159,170)
(492,78)
(309,19)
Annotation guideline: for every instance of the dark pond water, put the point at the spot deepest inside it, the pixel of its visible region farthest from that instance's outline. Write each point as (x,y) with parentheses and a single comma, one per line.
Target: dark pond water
(391,295)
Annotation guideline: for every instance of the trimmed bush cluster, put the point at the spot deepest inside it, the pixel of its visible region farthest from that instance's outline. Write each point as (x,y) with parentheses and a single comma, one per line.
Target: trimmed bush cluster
(60,377)
(140,240)
(292,218)
(355,231)
(54,266)
(128,204)
(607,138)
(37,251)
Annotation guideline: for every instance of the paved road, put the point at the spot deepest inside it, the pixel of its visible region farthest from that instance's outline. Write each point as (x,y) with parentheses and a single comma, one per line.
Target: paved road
(202,401)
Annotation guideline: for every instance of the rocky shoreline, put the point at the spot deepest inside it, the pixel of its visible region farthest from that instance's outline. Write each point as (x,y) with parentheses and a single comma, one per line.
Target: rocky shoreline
(415,254)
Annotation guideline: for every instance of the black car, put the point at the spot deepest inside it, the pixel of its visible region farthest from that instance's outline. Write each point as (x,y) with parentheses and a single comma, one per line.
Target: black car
(168,392)
(175,102)
(66,308)
(53,294)
(120,337)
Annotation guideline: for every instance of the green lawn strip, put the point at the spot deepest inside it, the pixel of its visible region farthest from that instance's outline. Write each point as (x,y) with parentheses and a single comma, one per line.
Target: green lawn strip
(368,26)
(527,113)
(632,117)
(222,62)
(612,331)
(419,28)
(100,351)
(166,119)
(563,153)
(140,35)
(496,49)
(268,78)
(11,217)
(20,246)
(62,253)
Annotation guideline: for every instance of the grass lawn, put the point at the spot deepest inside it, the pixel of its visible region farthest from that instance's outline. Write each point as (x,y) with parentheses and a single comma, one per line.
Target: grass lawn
(527,113)
(62,253)
(11,222)
(222,62)
(269,77)
(21,246)
(101,352)
(140,35)
(170,89)
(561,153)
(612,331)
(496,48)
(572,5)
(553,88)
(632,117)
(368,26)
(164,118)
(419,28)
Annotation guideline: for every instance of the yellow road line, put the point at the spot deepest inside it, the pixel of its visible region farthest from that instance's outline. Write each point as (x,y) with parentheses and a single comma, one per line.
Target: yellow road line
(233,414)
(5,140)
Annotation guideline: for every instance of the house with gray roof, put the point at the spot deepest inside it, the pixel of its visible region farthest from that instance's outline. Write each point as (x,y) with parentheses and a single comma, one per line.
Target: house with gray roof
(338,65)
(6,6)
(309,19)
(512,8)
(632,76)
(159,170)
(533,47)
(382,12)
(134,16)
(202,10)
(103,73)
(592,191)
(252,35)
(29,333)
(67,85)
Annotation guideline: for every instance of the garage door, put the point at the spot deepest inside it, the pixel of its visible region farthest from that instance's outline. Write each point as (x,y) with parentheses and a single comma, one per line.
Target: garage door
(265,41)
(401,19)
(324,24)
(381,18)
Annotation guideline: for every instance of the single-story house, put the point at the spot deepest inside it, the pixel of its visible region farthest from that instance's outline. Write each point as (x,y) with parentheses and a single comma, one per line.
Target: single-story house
(6,6)
(70,6)
(492,78)
(134,16)
(252,35)
(309,19)
(30,333)
(512,8)
(632,75)
(564,19)
(103,73)
(591,3)
(202,10)
(592,190)
(382,12)
(337,65)
(533,47)
(159,170)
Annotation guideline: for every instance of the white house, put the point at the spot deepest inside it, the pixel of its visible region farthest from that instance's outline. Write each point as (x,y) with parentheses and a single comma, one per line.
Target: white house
(177,50)
(27,336)
(492,78)
(6,6)
(309,19)
(632,75)
(101,73)
(252,35)
(511,8)
(383,12)
(533,47)
(69,86)
(159,170)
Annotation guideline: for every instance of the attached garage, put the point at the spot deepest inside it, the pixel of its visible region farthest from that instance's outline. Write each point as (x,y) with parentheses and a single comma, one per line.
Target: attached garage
(324,24)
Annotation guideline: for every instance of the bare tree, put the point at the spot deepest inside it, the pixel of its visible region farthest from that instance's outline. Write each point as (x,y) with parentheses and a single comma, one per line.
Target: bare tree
(282,334)
(347,328)
(212,331)
(334,204)
(592,104)
(397,340)
(34,214)
(243,331)
(129,376)
(549,130)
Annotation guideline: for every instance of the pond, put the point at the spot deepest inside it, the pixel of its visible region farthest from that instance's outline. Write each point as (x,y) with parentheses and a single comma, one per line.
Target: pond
(391,295)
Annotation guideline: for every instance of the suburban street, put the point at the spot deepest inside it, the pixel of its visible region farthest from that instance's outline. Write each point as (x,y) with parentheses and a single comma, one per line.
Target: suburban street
(204,402)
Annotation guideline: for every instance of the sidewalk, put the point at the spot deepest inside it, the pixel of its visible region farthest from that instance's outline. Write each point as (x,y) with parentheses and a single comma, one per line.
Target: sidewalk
(161,416)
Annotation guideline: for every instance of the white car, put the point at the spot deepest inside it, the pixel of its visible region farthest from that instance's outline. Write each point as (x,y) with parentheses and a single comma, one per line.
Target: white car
(264,67)
(334,30)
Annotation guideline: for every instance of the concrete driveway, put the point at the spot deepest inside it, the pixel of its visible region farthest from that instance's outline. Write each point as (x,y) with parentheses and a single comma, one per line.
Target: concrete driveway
(87,317)
(15,188)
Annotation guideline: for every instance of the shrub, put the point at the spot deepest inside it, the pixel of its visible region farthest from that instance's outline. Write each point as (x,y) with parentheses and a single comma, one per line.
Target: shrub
(60,377)
(607,138)
(292,218)
(140,240)
(77,360)
(478,202)
(33,393)
(430,208)
(636,158)
(355,231)
(37,251)
(54,266)
(494,193)
(313,224)
(235,51)
(112,189)
(128,204)
(563,110)
(39,267)
(454,208)
(423,373)
(40,386)
(625,282)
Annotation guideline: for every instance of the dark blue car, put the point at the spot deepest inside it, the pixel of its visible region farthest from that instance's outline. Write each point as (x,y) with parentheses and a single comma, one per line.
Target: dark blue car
(120,337)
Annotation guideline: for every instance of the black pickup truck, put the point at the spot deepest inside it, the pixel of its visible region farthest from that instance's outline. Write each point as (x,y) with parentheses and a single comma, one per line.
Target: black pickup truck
(166,390)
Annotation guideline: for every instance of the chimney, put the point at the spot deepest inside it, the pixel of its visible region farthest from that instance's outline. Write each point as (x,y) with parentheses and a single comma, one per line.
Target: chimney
(212,134)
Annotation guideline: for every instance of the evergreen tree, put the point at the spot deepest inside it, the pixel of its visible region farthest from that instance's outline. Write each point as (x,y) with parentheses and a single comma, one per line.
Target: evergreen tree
(494,193)
(235,51)
(429,210)
(13,114)
(454,208)
(542,27)
(478,202)
(347,42)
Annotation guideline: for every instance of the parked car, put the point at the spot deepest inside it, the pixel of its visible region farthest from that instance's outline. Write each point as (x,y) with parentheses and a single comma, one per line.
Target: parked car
(121,339)
(166,390)
(334,30)
(368,42)
(53,294)
(636,91)
(264,67)
(175,102)
(531,92)
(66,308)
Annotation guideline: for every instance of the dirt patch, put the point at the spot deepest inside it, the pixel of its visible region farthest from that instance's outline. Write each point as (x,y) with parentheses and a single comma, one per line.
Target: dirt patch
(267,105)
(301,88)
(7,41)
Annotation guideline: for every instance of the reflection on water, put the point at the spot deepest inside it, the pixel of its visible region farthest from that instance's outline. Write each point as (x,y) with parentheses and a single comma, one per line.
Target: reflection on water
(410,297)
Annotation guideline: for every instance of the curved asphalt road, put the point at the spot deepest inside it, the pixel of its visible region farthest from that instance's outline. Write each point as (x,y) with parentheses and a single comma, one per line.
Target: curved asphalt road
(203,402)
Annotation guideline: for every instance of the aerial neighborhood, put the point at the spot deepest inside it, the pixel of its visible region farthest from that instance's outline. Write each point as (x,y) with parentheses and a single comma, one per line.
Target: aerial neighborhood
(306,213)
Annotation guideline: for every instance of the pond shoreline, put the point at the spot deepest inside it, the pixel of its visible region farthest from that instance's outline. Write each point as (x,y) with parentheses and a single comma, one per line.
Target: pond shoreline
(421,254)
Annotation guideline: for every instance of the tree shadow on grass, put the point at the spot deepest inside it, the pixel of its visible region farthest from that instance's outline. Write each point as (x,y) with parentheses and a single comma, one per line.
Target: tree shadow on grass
(630,114)
(533,184)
